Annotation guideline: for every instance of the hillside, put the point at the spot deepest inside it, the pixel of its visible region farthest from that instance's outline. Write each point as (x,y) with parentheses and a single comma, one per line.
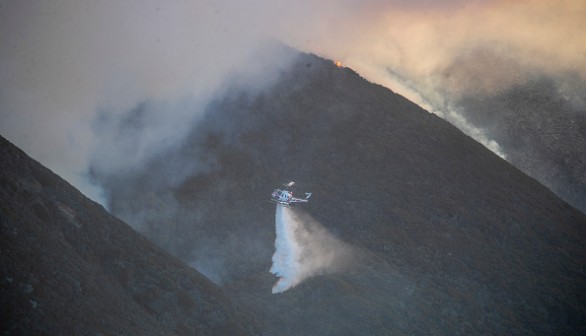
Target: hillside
(542,131)
(453,240)
(68,267)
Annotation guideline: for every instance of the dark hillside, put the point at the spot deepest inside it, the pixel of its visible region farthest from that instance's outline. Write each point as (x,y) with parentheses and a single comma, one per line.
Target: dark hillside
(454,240)
(68,267)
(542,133)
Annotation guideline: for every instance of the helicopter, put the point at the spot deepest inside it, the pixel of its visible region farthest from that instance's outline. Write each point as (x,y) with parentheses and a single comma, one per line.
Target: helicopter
(285,196)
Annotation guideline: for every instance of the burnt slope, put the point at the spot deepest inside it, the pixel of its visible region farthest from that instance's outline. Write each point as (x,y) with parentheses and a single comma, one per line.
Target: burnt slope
(455,240)
(68,267)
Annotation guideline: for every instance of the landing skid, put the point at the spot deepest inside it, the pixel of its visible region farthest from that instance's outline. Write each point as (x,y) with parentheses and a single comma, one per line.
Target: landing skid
(280,203)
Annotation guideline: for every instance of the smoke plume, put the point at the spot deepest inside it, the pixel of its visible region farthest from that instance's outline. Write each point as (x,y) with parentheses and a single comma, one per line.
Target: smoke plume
(303,248)
(65,64)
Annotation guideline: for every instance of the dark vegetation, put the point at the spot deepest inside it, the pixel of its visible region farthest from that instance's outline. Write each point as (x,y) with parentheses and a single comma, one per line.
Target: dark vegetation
(452,239)
(455,241)
(542,132)
(68,267)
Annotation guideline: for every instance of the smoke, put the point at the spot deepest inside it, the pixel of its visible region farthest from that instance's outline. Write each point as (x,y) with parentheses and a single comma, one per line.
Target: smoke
(441,106)
(70,70)
(65,64)
(210,261)
(479,134)
(303,248)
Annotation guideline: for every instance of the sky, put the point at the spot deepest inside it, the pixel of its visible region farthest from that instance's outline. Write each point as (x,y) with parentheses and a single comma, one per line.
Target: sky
(64,62)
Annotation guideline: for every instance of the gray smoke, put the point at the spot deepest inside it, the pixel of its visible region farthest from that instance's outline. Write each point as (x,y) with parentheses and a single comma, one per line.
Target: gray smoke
(104,91)
(64,65)
(304,248)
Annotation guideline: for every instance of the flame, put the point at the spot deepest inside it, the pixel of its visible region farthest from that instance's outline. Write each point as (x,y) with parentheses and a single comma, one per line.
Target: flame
(338,64)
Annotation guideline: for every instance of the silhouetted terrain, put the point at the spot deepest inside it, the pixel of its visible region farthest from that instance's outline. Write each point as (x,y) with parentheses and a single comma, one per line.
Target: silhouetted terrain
(542,132)
(452,239)
(68,267)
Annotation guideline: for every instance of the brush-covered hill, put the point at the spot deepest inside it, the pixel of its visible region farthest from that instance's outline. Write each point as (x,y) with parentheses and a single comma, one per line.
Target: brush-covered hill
(68,267)
(453,240)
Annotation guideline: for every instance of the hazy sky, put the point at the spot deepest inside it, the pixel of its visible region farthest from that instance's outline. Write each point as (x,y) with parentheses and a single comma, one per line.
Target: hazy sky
(63,61)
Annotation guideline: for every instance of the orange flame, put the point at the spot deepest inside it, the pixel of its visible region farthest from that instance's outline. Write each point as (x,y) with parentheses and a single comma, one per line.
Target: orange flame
(338,64)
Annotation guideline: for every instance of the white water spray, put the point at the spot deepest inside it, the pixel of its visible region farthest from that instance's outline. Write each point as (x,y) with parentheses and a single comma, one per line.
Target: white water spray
(303,248)
(287,251)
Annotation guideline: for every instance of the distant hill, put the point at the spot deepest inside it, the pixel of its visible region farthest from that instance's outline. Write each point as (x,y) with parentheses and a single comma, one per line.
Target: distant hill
(454,240)
(68,267)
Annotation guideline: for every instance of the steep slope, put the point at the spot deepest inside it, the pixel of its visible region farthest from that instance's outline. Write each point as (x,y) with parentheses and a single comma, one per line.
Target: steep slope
(452,240)
(68,267)
(542,131)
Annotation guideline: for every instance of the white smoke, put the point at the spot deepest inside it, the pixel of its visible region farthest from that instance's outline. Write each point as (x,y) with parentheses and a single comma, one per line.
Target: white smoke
(62,63)
(436,103)
(303,248)
(478,134)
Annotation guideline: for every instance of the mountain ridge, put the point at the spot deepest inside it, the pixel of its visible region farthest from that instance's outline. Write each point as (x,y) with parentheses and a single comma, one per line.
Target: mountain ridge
(69,267)
(448,239)
(456,240)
